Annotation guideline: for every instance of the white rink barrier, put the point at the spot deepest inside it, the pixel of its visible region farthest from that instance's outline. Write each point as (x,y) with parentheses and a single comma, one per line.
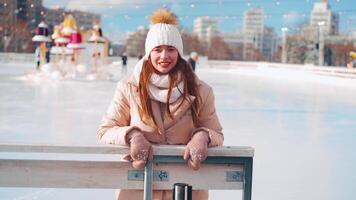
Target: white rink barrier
(17,58)
(321,70)
(30,58)
(226,168)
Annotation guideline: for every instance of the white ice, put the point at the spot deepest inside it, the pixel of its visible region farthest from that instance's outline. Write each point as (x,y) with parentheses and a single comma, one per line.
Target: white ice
(302,126)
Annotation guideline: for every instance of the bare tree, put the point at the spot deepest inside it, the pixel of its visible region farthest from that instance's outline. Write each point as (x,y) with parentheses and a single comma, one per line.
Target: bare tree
(191,43)
(297,49)
(237,51)
(219,49)
(340,53)
(18,38)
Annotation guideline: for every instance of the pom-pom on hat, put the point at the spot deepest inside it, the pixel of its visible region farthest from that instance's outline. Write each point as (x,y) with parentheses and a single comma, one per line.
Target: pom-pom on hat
(163,31)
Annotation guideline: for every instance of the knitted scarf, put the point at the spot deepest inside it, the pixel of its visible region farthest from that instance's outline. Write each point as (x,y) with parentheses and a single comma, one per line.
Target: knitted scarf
(159,84)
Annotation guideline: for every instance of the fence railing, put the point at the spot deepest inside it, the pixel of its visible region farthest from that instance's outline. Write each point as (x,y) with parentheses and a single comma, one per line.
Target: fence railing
(343,72)
(17,58)
(218,64)
(226,168)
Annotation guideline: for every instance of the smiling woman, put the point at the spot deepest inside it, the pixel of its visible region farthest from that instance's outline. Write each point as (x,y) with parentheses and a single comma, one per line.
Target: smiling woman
(163,102)
(164,58)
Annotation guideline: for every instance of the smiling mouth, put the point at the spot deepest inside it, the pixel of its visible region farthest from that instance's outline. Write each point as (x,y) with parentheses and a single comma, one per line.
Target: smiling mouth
(164,64)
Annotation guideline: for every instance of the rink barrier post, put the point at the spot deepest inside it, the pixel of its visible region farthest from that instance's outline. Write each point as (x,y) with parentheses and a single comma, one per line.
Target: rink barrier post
(100,166)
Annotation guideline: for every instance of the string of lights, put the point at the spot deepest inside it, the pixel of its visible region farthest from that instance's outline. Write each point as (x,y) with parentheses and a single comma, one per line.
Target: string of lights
(303,14)
(347,14)
(192,2)
(193,5)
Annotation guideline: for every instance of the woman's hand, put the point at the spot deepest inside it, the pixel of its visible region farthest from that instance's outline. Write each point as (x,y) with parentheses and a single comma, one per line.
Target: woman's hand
(196,150)
(140,149)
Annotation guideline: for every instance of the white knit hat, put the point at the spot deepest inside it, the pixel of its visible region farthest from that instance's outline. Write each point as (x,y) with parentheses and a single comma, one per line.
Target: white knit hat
(163,31)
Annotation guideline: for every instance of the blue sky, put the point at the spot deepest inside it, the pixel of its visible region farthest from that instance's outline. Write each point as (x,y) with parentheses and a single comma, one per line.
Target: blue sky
(121,16)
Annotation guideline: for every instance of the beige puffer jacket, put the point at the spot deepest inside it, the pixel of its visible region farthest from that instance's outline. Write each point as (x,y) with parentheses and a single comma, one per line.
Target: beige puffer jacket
(122,116)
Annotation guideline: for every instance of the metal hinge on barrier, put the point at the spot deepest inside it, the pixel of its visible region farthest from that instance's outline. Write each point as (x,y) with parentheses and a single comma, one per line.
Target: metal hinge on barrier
(234,176)
(138,175)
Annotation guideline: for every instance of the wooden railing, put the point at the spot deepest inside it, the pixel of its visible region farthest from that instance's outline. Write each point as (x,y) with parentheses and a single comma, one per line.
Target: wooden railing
(53,166)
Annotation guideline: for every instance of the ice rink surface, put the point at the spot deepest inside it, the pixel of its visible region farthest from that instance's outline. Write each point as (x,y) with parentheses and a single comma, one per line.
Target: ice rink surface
(302,126)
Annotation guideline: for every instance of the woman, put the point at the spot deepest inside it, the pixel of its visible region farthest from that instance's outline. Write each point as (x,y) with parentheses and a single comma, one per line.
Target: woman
(163,102)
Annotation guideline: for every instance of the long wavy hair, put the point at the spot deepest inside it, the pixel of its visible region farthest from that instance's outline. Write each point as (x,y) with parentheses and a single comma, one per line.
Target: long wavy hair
(181,71)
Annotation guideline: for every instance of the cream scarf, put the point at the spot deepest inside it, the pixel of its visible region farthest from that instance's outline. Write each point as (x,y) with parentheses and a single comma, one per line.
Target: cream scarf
(159,84)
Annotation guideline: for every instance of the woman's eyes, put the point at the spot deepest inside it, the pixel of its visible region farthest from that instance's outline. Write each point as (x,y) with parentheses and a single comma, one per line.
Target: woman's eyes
(157,49)
(170,49)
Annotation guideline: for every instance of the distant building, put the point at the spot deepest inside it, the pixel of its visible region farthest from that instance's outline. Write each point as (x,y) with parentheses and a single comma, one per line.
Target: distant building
(258,39)
(205,28)
(30,11)
(18,19)
(14,11)
(322,17)
(116,49)
(7,17)
(340,39)
(135,43)
(233,38)
(253,24)
(84,19)
(322,21)
(323,29)
(54,16)
(308,32)
(269,43)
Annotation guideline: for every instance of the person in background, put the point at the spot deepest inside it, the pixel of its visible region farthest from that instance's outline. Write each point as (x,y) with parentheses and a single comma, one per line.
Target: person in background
(162,102)
(193,58)
(38,57)
(48,58)
(124,63)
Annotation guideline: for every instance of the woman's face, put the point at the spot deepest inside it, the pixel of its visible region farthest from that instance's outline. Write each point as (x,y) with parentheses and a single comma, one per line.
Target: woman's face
(164,58)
